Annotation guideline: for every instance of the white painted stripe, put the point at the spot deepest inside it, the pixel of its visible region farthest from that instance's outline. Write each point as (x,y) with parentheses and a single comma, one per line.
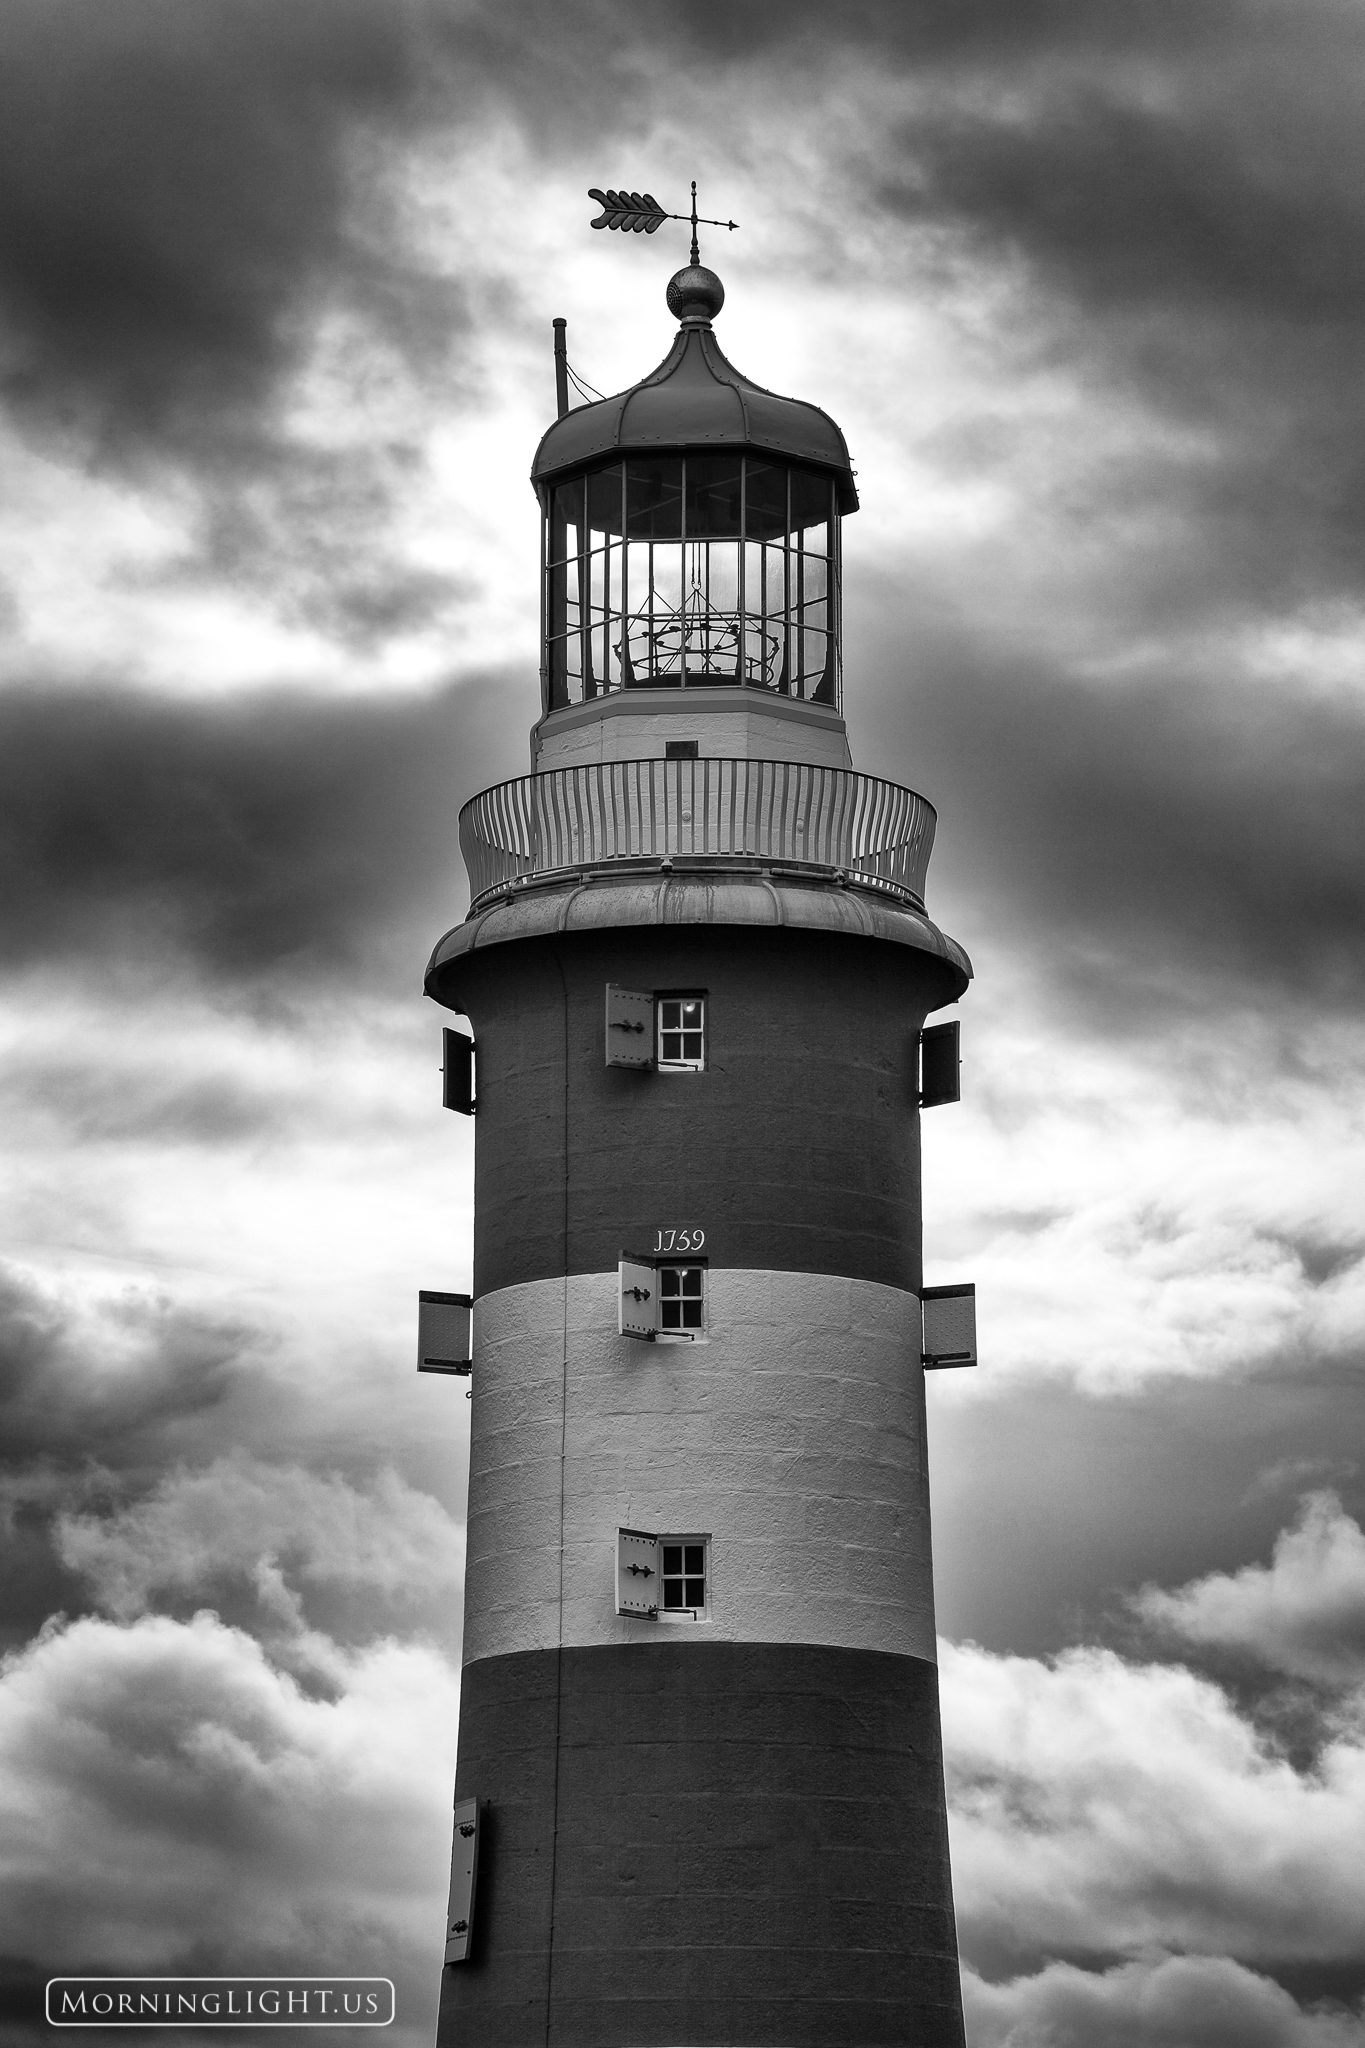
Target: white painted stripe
(794,1438)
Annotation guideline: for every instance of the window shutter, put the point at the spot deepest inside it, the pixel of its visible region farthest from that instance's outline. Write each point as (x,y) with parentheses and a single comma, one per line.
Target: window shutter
(457,1068)
(639,1298)
(940,1065)
(464,1869)
(630,1027)
(949,1325)
(637,1572)
(443,1332)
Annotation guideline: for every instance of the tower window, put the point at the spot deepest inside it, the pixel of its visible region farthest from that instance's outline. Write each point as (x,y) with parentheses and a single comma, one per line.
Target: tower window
(647,1029)
(663,1578)
(684,1576)
(682,1032)
(663,1301)
(682,1300)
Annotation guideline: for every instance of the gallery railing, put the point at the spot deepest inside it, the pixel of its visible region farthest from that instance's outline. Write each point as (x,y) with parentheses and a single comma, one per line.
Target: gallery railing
(770,812)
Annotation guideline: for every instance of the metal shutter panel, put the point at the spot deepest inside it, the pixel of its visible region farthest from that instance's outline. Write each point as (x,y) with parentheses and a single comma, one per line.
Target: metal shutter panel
(630,1027)
(637,1572)
(443,1332)
(639,1290)
(464,1867)
(949,1325)
(457,1069)
(940,1065)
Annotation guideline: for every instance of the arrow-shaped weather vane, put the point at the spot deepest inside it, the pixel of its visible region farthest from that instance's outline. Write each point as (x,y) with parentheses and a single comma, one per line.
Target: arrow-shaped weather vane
(639,213)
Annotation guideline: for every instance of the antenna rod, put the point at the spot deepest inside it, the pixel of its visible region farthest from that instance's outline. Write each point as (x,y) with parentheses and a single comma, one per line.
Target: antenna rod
(561,366)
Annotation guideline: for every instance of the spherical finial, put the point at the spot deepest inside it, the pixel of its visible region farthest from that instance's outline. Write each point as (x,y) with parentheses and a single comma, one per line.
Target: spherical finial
(695,294)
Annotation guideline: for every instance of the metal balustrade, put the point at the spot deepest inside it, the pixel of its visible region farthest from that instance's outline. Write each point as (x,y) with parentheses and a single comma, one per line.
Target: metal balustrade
(785,813)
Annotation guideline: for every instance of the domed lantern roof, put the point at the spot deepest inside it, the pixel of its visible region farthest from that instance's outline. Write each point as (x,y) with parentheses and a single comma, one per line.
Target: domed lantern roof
(691,533)
(696,399)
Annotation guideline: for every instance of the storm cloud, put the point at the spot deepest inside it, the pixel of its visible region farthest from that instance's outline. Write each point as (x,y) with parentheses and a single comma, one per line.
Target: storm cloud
(173,189)
(277,833)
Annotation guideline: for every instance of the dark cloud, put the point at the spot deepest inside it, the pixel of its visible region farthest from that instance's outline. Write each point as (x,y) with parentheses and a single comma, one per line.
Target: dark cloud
(1188,224)
(172,189)
(93,1398)
(144,1434)
(108,1387)
(143,1102)
(1172,844)
(1183,198)
(1050,1506)
(268,835)
(185,197)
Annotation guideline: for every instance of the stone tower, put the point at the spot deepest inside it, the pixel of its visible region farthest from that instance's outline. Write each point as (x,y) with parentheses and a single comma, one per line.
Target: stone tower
(699,1753)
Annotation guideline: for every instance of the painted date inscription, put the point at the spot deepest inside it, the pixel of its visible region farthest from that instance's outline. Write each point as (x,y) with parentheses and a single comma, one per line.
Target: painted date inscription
(679,1241)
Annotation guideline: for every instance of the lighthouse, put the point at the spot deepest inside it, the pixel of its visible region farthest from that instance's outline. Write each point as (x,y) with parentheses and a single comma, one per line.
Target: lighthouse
(699,1795)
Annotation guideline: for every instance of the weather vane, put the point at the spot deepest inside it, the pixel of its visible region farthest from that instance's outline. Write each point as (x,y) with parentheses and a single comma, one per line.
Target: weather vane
(639,213)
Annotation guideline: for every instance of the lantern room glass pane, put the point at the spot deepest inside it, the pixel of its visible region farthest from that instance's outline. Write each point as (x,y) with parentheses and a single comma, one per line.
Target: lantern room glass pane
(604,501)
(814,575)
(714,485)
(810,499)
(654,498)
(765,499)
(566,520)
(728,575)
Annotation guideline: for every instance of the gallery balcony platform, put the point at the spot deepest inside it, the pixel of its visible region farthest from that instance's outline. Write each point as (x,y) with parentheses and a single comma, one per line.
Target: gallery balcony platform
(722,816)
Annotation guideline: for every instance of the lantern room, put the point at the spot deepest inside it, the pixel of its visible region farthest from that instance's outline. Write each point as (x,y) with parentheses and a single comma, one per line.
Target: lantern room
(690,531)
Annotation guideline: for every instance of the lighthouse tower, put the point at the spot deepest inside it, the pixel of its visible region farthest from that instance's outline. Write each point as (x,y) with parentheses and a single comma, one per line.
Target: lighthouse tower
(699,1798)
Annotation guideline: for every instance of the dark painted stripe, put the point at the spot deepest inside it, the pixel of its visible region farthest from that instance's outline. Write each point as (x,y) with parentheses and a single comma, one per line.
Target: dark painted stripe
(750,1849)
(797,1150)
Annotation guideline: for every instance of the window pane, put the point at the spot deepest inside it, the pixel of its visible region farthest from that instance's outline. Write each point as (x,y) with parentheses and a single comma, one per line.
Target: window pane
(673,1592)
(765,516)
(604,500)
(722,585)
(774,581)
(810,498)
(762,653)
(673,1558)
(815,545)
(712,495)
(815,657)
(814,561)
(654,498)
(566,520)
(695,1557)
(682,1033)
(696,1593)
(667,580)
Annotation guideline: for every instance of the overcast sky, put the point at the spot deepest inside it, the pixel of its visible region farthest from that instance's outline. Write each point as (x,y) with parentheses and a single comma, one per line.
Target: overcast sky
(1084,284)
